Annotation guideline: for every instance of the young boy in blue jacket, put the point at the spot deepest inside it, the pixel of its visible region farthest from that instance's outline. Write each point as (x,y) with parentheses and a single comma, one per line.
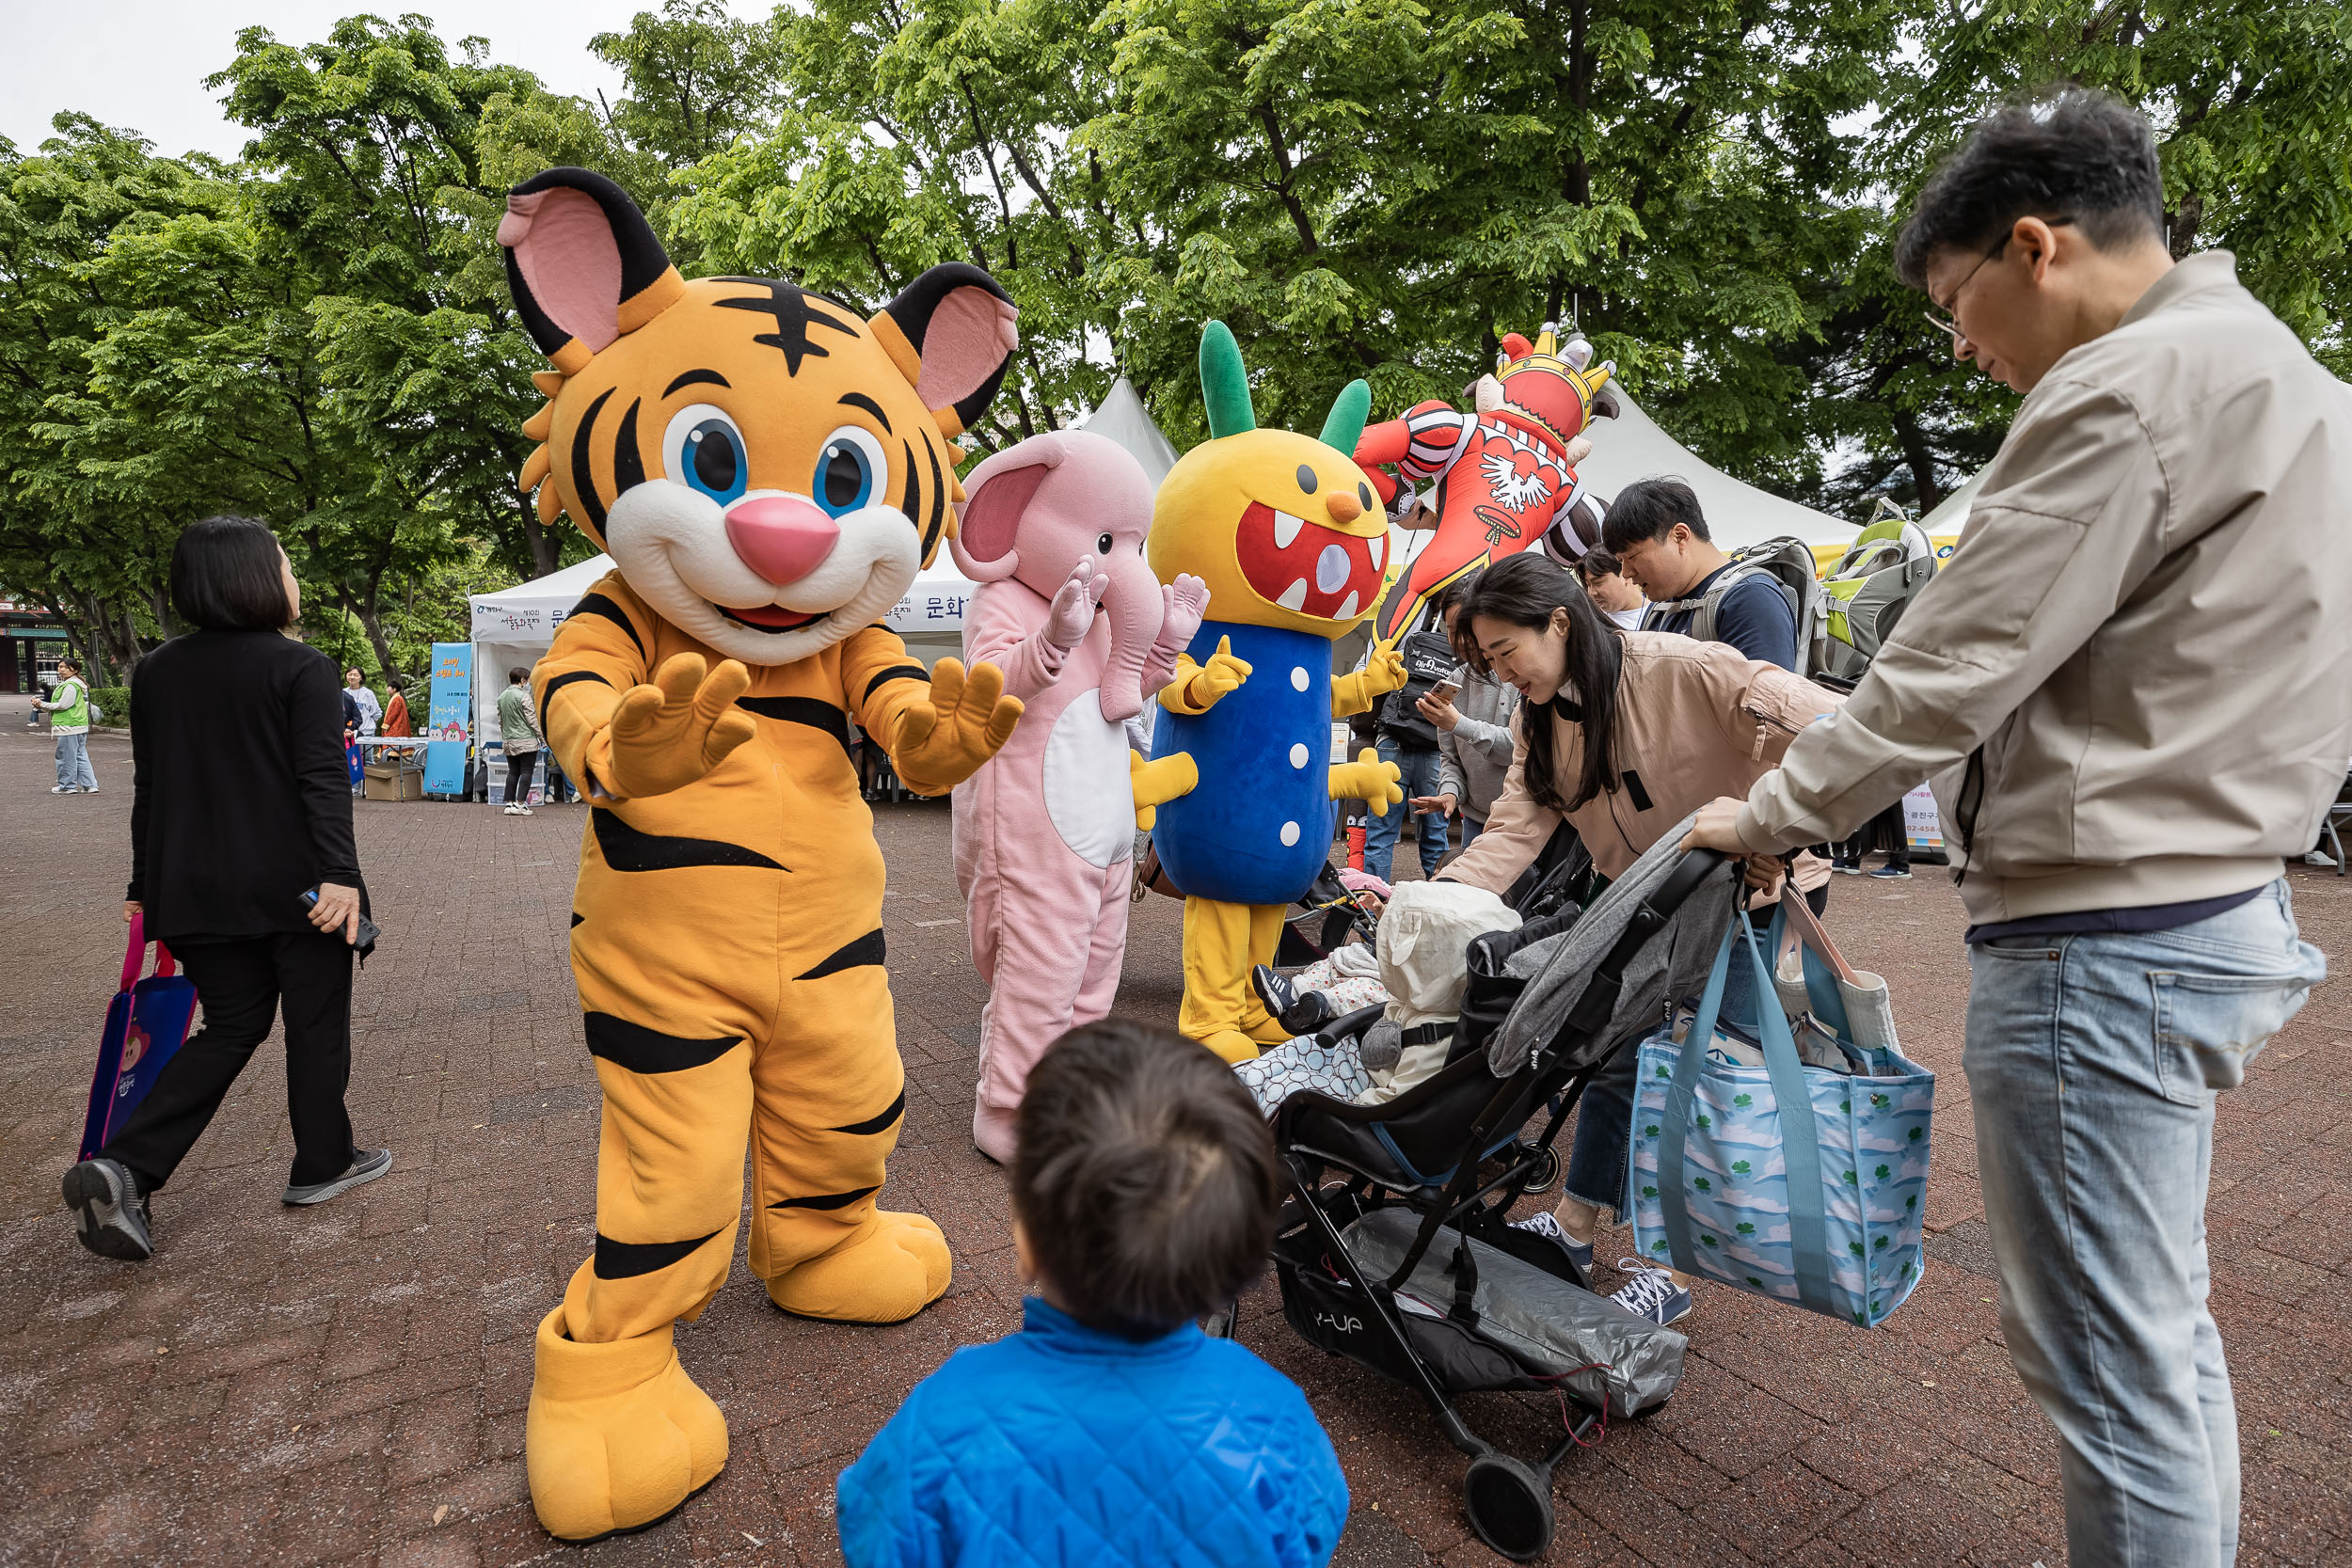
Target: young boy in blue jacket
(1110,1431)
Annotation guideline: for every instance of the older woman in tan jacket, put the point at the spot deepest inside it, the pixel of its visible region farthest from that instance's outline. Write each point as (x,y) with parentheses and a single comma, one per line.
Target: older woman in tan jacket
(1621,735)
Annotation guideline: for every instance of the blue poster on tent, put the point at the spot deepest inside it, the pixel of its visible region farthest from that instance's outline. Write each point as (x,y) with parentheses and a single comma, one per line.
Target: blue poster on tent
(449,719)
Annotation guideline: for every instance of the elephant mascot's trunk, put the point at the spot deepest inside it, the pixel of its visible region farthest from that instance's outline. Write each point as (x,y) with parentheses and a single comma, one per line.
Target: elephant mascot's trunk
(1135,608)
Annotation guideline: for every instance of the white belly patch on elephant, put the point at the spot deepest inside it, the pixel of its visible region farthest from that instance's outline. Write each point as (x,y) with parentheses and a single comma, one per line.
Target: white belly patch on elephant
(1087,796)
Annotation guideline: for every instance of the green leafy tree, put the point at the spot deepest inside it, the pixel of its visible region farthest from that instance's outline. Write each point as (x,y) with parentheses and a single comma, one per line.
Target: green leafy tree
(104,247)
(370,178)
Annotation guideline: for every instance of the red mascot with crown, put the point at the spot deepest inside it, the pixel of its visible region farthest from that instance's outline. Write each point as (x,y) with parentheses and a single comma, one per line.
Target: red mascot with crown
(1505,473)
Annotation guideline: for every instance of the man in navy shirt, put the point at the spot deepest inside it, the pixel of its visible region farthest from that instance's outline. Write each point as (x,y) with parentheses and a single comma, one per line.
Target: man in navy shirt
(1659,535)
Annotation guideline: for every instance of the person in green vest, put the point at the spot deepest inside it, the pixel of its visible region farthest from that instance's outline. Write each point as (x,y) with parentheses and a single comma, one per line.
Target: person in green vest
(68,708)
(519,735)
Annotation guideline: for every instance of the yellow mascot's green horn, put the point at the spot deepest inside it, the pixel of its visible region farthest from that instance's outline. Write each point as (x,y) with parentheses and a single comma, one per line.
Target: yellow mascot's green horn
(1225,383)
(1345,426)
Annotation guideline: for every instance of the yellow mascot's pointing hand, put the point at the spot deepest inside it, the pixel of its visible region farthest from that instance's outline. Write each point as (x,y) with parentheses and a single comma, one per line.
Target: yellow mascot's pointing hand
(1369,779)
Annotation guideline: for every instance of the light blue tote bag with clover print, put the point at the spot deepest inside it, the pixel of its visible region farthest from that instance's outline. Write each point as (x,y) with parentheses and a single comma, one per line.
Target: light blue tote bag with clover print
(1798,1181)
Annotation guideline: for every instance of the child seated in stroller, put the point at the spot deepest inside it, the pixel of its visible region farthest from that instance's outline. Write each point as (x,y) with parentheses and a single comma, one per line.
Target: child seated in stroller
(1110,1429)
(1420,953)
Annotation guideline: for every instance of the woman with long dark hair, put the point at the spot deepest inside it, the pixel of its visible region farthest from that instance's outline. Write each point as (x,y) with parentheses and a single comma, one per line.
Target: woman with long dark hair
(1621,735)
(240,805)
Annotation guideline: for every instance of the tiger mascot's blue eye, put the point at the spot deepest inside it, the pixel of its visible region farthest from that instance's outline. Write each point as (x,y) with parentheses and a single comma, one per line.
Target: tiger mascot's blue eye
(850,469)
(703,449)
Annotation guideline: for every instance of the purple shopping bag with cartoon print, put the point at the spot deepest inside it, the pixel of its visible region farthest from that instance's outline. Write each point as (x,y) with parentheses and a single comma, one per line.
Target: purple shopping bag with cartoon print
(146,1025)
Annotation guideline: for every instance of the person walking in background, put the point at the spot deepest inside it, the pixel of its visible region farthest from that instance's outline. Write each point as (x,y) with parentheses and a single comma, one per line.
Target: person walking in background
(396,720)
(1881,832)
(1110,1429)
(2128,683)
(1474,732)
(1659,535)
(237,809)
(362,700)
(68,707)
(1615,595)
(519,731)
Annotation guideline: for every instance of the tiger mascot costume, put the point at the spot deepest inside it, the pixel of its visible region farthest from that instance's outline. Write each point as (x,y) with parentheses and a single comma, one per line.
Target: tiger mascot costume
(769,472)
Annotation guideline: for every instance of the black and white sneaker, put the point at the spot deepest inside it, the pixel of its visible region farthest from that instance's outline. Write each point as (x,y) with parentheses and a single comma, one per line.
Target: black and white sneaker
(366,1165)
(1301,1012)
(109,1211)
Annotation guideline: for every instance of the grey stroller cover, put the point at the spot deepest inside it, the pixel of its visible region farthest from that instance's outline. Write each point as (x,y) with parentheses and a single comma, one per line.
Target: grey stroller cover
(1607,1356)
(1557,968)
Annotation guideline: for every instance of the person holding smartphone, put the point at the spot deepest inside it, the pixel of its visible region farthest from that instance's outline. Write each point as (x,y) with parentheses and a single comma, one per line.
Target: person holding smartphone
(239,809)
(1472,714)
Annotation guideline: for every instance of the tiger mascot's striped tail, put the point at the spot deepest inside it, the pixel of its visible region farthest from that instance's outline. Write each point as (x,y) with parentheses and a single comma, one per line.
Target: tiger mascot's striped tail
(769,470)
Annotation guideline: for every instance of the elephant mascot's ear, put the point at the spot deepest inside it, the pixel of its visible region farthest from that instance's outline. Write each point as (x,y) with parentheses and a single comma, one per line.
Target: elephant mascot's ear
(989,526)
(583,264)
(951,333)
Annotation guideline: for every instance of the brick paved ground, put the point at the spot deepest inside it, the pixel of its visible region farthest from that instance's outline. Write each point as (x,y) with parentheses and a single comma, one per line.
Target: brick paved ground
(347,1384)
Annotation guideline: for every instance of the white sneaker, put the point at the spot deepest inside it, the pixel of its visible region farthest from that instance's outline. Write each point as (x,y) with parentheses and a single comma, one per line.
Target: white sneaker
(60,789)
(92,790)
(2320,857)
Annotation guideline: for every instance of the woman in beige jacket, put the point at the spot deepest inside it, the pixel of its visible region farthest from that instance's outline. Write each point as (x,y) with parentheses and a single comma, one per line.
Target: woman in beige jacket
(1621,735)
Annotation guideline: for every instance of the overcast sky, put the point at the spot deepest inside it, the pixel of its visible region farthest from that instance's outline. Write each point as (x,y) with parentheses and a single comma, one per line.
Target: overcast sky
(141,64)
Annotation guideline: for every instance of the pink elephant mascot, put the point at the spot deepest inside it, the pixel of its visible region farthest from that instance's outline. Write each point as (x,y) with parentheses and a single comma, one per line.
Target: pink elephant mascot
(1070,611)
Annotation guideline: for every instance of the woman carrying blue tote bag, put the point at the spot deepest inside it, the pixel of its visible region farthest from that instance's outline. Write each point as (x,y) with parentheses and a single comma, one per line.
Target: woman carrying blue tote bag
(1792,1181)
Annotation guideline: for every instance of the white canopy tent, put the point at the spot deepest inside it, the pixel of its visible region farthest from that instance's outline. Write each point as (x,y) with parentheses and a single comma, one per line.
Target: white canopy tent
(1632,447)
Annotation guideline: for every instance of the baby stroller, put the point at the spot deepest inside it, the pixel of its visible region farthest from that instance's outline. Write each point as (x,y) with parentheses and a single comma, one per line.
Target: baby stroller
(1406,1263)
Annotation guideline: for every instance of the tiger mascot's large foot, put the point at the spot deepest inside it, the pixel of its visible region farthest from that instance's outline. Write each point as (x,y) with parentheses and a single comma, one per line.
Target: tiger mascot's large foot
(885,1272)
(617,1435)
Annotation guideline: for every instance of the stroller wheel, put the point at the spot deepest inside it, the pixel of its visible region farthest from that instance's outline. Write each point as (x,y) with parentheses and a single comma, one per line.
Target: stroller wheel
(1547,1175)
(1509,1505)
(1220,1323)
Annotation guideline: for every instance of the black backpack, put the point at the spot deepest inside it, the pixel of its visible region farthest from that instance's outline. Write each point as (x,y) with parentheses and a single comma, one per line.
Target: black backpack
(1428,659)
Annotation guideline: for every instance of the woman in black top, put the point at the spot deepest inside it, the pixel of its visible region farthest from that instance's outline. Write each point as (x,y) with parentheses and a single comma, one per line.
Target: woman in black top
(240,805)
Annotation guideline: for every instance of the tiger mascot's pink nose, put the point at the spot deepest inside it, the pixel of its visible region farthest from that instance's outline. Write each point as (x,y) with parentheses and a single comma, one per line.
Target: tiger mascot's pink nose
(782,538)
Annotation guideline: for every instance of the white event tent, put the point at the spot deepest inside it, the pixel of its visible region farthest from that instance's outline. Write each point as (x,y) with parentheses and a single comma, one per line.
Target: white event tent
(1632,447)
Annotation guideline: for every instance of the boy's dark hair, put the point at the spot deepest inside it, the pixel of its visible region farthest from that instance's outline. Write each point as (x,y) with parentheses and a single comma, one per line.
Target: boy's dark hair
(225,576)
(1648,509)
(1146,1179)
(1598,563)
(2076,153)
(517,675)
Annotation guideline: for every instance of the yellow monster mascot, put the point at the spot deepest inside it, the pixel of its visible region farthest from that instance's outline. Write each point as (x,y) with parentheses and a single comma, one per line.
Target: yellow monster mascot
(1285,531)
(769,471)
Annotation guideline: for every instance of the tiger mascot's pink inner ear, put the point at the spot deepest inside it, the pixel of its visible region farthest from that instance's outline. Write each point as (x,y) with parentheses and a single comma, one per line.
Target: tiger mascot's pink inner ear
(564,245)
(971,334)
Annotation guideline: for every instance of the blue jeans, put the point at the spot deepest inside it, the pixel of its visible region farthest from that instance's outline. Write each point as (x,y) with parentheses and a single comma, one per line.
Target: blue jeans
(2092,1062)
(1472,828)
(74,762)
(1418,773)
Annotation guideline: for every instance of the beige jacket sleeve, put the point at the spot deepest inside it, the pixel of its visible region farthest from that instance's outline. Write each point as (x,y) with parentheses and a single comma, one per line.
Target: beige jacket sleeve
(1517,828)
(2068,526)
